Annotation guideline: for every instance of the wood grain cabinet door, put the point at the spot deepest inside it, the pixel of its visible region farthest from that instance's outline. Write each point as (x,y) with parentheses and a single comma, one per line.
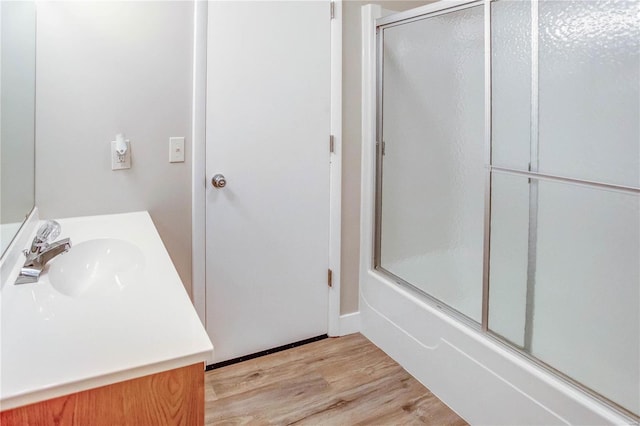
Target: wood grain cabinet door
(174,397)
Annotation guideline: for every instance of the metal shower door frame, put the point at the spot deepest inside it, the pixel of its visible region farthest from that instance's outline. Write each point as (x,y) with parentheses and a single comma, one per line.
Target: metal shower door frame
(425,12)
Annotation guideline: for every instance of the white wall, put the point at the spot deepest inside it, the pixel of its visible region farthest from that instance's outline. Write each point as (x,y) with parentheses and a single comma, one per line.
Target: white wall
(107,68)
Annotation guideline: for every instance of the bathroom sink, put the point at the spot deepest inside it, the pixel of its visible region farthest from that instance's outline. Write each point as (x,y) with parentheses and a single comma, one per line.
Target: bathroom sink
(96,266)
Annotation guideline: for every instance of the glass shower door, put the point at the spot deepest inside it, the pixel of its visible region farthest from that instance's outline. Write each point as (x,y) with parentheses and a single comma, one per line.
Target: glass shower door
(431,158)
(565,205)
(549,213)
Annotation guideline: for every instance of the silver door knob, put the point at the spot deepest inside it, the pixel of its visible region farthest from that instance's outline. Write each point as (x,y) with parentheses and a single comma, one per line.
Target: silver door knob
(219,181)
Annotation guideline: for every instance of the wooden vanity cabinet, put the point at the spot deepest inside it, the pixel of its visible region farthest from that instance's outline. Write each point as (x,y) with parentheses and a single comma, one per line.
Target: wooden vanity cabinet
(173,397)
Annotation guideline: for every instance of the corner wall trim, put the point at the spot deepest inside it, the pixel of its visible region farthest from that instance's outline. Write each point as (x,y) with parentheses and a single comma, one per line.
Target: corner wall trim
(335,179)
(198,156)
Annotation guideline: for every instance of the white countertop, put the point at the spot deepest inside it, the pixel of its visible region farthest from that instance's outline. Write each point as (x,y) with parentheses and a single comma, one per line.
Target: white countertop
(53,344)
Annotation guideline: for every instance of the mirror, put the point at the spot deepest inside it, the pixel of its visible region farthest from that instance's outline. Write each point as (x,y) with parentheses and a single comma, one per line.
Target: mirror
(17,116)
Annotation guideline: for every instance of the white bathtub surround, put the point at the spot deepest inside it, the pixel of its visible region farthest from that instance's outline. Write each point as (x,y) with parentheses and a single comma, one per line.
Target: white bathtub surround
(54,344)
(454,362)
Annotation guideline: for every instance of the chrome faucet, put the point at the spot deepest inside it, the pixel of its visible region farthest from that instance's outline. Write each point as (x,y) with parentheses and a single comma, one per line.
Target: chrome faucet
(42,252)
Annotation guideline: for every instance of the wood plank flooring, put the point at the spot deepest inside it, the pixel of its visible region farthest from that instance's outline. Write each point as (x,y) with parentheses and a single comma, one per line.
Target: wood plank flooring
(335,381)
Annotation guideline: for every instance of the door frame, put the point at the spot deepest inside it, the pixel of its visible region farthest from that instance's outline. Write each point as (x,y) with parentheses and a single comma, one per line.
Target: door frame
(199,179)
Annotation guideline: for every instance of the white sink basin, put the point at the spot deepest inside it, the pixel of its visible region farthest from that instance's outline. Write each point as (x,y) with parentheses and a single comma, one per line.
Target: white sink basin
(96,266)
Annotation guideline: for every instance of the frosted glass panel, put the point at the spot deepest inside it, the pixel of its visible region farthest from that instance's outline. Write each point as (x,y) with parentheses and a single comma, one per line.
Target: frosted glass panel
(585,302)
(587,293)
(511,83)
(433,168)
(509,256)
(589,76)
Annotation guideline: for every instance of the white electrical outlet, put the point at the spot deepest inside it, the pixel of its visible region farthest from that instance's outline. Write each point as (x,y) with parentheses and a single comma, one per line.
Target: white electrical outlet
(176,150)
(119,162)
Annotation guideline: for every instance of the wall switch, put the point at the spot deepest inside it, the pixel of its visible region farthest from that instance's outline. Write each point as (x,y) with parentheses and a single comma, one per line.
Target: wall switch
(176,150)
(119,162)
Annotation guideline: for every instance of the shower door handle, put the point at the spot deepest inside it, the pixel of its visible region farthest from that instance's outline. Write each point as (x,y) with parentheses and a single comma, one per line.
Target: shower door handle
(219,181)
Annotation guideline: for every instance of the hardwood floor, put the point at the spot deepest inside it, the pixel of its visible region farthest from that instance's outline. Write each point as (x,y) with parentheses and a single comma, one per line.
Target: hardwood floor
(336,381)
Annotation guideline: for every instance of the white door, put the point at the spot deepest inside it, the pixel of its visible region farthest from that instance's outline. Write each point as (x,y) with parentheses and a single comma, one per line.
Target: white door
(267,230)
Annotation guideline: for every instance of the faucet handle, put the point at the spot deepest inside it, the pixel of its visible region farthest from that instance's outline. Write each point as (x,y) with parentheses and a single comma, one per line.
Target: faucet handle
(49,231)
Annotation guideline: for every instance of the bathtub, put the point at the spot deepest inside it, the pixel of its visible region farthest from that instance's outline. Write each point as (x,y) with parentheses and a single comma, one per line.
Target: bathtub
(479,376)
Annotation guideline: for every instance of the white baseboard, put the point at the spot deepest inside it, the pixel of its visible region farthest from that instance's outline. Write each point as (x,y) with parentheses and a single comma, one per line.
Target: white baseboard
(349,323)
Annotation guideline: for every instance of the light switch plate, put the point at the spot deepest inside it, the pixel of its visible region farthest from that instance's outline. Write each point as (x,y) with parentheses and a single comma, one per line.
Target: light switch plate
(176,150)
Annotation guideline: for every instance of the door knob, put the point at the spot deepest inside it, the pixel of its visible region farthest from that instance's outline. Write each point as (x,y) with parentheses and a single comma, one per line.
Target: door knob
(219,181)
